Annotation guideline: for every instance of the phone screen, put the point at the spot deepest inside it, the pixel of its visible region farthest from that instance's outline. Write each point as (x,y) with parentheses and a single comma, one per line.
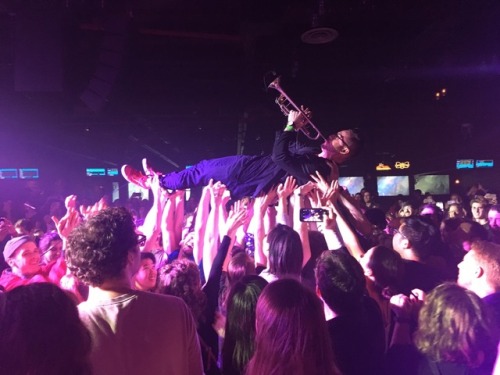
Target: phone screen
(311,214)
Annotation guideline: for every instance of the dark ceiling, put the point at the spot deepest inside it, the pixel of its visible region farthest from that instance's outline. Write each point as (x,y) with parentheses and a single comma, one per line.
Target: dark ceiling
(103,83)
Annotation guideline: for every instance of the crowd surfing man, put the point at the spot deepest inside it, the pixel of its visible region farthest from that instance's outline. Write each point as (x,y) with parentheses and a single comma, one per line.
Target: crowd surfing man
(248,176)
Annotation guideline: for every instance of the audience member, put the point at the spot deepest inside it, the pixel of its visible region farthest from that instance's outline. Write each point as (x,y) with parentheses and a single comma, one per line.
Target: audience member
(146,278)
(41,333)
(291,335)
(414,241)
(132,331)
(239,333)
(479,272)
(354,320)
(494,223)
(479,210)
(23,257)
(454,335)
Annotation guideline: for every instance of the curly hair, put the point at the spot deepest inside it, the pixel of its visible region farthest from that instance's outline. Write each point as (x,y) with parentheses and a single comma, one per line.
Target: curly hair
(181,278)
(42,333)
(98,249)
(455,326)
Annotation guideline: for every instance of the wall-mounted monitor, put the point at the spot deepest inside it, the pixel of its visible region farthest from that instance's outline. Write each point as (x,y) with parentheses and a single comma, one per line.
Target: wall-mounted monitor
(8,173)
(390,186)
(353,184)
(29,173)
(95,172)
(112,172)
(484,163)
(433,184)
(137,192)
(465,163)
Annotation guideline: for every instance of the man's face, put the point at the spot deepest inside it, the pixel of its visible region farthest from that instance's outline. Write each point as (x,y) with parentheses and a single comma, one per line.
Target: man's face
(336,144)
(494,220)
(54,251)
(477,210)
(467,269)
(146,276)
(398,241)
(26,260)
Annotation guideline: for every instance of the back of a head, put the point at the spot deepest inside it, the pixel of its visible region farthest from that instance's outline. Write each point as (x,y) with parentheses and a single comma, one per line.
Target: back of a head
(181,278)
(387,269)
(241,264)
(285,251)
(240,323)
(487,255)
(341,281)
(376,216)
(291,333)
(42,333)
(421,234)
(98,248)
(455,326)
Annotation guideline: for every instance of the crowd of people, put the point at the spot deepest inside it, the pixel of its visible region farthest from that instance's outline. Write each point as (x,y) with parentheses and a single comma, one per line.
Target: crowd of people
(241,285)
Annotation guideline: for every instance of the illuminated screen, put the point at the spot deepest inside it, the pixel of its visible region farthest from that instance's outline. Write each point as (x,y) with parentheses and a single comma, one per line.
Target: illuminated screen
(465,163)
(8,173)
(389,186)
(353,184)
(433,184)
(26,173)
(137,191)
(484,163)
(112,171)
(96,172)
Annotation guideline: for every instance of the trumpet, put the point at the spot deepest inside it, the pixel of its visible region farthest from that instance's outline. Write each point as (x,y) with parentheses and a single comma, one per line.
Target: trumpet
(286,105)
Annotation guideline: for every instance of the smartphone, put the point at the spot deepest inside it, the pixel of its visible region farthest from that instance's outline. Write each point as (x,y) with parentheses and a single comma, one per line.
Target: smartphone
(312,214)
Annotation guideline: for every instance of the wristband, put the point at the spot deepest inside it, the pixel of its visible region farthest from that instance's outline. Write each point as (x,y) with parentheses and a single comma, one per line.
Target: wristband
(289,127)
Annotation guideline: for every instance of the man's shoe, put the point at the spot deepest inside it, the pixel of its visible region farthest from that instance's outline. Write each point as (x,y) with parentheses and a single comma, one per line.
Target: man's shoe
(148,170)
(134,176)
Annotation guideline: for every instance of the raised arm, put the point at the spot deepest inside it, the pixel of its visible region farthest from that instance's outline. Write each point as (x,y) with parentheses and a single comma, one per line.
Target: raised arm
(300,194)
(285,190)
(152,223)
(199,223)
(212,227)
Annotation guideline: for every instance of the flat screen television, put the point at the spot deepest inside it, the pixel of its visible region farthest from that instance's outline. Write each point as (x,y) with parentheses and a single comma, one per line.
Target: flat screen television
(112,172)
(433,183)
(8,173)
(390,186)
(353,184)
(465,163)
(29,173)
(137,192)
(96,172)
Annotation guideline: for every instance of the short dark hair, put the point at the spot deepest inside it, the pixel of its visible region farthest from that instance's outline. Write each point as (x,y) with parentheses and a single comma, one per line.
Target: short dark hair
(147,255)
(340,280)
(422,235)
(98,249)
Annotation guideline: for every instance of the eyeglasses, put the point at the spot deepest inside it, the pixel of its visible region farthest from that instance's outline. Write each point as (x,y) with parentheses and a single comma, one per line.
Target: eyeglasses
(342,140)
(141,239)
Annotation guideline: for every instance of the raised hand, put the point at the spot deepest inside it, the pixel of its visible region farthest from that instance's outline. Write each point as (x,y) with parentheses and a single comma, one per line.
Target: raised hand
(88,211)
(67,223)
(236,218)
(286,189)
